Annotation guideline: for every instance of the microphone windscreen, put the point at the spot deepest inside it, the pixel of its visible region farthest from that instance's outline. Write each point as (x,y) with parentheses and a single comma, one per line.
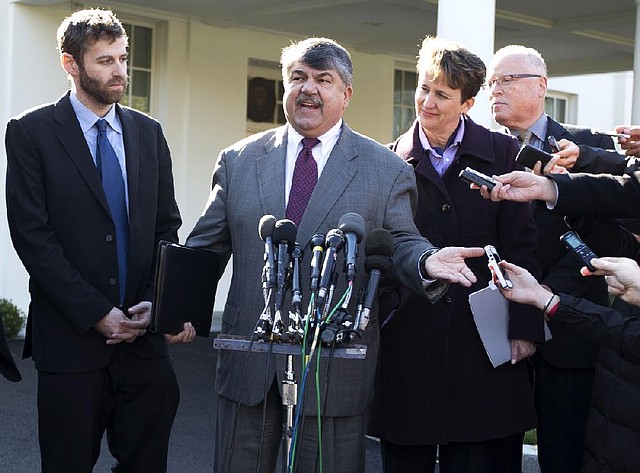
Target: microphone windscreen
(266,226)
(379,262)
(285,230)
(352,223)
(379,242)
(335,239)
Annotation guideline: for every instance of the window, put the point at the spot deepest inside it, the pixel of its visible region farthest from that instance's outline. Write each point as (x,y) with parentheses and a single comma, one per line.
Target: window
(404,87)
(560,106)
(265,91)
(140,65)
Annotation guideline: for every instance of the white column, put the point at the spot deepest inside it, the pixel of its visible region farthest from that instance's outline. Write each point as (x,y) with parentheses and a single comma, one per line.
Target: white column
(472,24)
(635,107)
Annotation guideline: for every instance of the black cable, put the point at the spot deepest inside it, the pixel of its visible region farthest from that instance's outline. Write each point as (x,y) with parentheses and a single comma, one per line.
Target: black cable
(264,404)
(235,418)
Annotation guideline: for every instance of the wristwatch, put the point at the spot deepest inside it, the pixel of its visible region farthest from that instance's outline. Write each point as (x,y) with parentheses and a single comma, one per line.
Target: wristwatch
(423,271)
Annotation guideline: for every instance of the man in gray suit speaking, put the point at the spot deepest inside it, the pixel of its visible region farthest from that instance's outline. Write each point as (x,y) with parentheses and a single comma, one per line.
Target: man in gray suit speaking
(336,171)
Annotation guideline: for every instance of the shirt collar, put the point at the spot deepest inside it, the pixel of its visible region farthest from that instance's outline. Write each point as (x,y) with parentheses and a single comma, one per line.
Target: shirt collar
(330,136)
(454,140)
(537,129)
(87,118)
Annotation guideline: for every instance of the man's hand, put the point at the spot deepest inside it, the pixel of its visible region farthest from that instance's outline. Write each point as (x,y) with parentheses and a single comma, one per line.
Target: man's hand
(521,350)
(187,335)
(552,167)
(448,265)
(526,288)
(622,276)
(117,328)
(630,145)
(521,186)
(568,155)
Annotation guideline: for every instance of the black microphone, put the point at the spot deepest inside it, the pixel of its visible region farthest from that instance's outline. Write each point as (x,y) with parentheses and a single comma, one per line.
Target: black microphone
(378,249)
(265,229)
(352,225)
(317,247)
(284,234)
(333,244)
(295,331)
(296,291)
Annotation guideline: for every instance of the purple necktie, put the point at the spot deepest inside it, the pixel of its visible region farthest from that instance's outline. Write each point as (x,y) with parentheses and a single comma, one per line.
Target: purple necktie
(305,176)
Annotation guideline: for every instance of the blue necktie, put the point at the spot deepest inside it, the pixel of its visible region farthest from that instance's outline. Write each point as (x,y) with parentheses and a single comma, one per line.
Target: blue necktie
(113,184)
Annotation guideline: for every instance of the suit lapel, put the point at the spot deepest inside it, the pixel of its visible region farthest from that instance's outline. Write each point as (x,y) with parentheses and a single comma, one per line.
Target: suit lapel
(336,176)
(271,172)
(73,141)
(131,138)
(557,131)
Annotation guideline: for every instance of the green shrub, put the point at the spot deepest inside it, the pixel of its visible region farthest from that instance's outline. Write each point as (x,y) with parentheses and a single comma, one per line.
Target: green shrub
(531,437)
(12,318)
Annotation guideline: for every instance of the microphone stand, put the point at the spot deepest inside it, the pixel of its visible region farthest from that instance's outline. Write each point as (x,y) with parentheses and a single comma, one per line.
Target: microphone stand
(289,401)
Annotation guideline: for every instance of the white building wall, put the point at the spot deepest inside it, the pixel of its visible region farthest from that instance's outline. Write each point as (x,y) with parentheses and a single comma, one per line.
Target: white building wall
(200,99)
(604,100)
(31,75)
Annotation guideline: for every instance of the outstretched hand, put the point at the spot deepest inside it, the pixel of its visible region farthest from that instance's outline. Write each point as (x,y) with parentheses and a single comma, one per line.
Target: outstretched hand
(622,276)
(526,288)
(448,265)
(521,186)
(631,145)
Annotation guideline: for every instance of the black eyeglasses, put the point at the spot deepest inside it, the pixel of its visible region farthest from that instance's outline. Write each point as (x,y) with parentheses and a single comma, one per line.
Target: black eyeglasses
(507,80)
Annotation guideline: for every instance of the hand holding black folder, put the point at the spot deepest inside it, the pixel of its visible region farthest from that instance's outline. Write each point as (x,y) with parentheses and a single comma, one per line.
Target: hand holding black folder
(186,280)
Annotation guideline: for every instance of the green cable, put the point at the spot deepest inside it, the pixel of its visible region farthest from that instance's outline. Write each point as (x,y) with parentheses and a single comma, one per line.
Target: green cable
(318,400)
(304,349)
(319,410)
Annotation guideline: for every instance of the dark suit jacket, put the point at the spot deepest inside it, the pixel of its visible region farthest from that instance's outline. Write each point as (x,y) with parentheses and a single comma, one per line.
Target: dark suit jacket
(248,182)
(560,269)
(597,152)
(598,196)
(437,384)
(600,161)
(63,232)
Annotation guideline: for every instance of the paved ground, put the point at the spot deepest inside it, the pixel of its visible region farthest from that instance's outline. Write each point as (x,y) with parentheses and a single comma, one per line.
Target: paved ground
(192,436)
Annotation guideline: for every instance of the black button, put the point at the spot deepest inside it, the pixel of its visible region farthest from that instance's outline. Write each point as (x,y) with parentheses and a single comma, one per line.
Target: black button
(108,237)
(447,300)
(113,281)
(446,208)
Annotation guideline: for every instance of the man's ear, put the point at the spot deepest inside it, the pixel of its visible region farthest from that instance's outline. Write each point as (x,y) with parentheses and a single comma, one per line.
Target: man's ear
(69,64)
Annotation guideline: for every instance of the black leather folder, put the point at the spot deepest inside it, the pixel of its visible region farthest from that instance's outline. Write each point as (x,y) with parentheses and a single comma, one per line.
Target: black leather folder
(186,280)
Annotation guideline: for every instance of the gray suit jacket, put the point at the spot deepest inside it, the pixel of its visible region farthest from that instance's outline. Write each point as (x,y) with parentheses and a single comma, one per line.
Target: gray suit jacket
(248,182)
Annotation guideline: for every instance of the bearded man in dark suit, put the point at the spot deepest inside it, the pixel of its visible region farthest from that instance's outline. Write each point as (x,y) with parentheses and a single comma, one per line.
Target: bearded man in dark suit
(89,196)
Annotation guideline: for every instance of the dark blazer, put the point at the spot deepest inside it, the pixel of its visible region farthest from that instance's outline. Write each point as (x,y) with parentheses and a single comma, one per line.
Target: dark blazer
(598,196)
(613,429)
(360,176)
(560,269)
(63,232)
(436,383)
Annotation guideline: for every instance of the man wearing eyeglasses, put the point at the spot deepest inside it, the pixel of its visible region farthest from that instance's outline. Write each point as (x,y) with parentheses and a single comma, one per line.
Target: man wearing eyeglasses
(564,365)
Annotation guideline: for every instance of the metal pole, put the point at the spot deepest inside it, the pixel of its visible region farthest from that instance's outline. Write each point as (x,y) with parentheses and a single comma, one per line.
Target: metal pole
(289,401)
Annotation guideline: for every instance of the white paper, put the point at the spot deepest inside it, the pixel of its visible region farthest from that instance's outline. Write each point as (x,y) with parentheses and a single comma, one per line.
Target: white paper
(491,315)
